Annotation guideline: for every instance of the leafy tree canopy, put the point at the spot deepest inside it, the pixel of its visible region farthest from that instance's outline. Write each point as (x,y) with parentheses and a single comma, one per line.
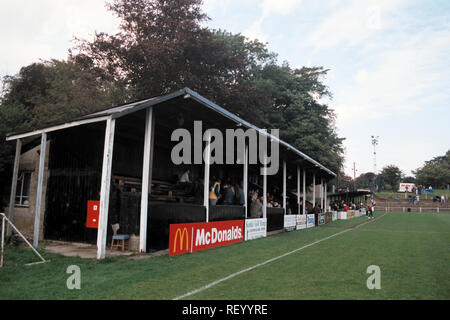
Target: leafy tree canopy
(365,181)
(162,46)
(391,177)
(435,172)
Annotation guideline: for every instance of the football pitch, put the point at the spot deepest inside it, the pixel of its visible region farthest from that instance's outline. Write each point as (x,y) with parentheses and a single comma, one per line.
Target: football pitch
(412,251)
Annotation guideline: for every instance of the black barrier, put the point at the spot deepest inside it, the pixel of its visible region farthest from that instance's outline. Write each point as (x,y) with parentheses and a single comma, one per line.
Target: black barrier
(162,215)
(224,213)
(275,219)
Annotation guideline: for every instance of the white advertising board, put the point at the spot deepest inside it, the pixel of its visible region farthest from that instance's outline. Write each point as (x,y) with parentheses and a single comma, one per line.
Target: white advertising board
(334,216)
(342,215)
(311,221)
(255,228)
(406,187)
(290,222)
(321,218)
(301,221)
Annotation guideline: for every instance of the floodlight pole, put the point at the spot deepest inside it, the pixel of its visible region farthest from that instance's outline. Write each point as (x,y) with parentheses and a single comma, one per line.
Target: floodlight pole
(375,140)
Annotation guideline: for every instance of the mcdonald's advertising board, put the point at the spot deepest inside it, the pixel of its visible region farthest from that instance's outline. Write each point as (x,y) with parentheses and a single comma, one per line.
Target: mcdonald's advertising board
(192,237)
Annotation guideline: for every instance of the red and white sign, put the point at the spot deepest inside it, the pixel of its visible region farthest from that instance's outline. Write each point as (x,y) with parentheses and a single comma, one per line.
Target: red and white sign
(93,212)
(406,187)
(192,237)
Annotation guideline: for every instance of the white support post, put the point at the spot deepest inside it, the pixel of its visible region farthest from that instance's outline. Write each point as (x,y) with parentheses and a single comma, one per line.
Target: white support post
(37,213)
(326,200)
(12,197)
(245,182)
(105,188)
(298,189)
(304,192)
(146,167)
(265,190)
(207,159)
(3,240)
(321,193)
(314,189)
(284,187)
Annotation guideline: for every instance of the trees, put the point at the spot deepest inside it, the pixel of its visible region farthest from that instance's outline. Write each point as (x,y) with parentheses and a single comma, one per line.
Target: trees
(391,176)
(55,91)
(48,92)
(291,99)
(365,181)
(162,47)
(435,172)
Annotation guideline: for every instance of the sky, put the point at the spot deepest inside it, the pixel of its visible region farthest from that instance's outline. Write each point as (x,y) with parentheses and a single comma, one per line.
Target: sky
(388,60)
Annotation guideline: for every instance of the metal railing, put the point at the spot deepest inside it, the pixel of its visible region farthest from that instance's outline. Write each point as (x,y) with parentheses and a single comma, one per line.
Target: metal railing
(4,220)
(413,209)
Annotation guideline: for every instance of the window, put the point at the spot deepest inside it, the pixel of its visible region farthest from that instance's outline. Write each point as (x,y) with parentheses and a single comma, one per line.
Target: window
(23,189)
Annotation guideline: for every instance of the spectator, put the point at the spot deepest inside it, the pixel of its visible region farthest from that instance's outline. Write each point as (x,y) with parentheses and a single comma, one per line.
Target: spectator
(288,208)
(256,209)
(370,211)
(185,177)
(228,195)
(240,198)
(214,192)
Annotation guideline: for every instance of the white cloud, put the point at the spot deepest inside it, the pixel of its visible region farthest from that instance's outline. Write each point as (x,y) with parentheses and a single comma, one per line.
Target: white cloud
(269,7)
(279,6)
(32,30)
(401,80)
(352,24)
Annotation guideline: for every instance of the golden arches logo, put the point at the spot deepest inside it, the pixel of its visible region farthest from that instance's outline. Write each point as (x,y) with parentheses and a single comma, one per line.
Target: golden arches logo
(183,234)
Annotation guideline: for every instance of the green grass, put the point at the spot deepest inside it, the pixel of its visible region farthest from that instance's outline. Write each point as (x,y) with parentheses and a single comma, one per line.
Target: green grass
(412,250)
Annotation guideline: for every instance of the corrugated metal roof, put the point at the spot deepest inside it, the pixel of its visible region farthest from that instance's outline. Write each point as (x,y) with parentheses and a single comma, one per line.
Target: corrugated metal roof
(120,111)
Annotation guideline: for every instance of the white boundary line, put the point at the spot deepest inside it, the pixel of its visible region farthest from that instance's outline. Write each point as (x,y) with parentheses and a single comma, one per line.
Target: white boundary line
(214,283)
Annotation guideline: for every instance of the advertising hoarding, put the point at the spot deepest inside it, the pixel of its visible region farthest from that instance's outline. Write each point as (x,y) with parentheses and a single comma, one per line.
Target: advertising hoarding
(301,220)
(255,228)
(290,222)
(192,237)
(311,221)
